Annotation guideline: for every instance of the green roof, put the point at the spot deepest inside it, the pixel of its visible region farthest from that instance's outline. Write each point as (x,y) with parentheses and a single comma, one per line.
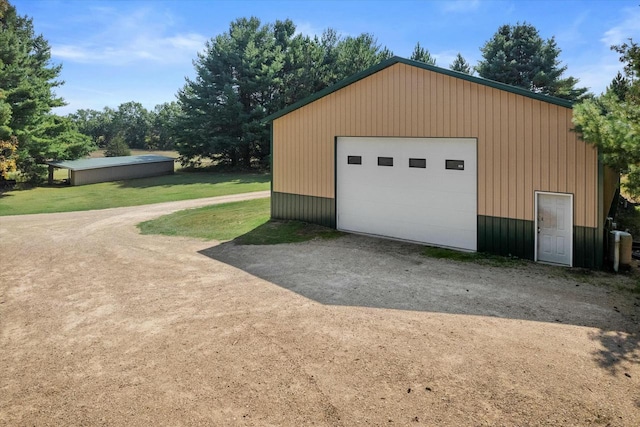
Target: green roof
(108,162)
(395,60)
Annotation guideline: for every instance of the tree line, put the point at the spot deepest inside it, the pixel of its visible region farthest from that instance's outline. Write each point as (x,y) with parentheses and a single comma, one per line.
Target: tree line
(131,125)
(253,70)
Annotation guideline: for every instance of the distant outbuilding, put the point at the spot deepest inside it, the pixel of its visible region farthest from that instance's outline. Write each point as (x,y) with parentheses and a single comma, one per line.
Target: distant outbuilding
(105,169)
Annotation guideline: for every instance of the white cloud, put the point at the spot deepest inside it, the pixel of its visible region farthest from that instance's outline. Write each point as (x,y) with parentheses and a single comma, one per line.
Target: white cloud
(596,65)
(628,28)
(572,34)
(122,39)
(595,69)
(596,77)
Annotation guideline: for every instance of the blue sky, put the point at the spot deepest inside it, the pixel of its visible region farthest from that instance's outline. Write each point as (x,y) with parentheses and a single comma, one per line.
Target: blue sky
(117,51)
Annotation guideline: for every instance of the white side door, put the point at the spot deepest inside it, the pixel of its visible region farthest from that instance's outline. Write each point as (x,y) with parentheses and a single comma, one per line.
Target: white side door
(554,224)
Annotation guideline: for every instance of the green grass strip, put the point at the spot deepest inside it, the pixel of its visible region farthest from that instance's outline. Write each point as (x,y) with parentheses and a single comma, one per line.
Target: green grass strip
(218,222)
(134,192)
(246,222)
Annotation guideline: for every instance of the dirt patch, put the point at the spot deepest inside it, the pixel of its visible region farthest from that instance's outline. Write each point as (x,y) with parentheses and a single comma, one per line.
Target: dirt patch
(100,325)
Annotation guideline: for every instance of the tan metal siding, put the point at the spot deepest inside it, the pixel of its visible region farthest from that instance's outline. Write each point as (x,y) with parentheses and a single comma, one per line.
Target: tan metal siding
(524,145)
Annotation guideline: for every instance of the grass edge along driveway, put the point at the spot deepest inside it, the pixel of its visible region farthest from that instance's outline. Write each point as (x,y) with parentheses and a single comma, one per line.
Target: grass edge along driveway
(134,192)
(246,222)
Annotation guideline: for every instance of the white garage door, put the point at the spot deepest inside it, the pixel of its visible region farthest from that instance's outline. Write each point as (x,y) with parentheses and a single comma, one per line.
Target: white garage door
(418,189)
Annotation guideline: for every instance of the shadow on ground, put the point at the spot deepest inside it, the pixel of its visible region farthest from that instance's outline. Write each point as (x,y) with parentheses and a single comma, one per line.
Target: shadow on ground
(617,348)
(367,272)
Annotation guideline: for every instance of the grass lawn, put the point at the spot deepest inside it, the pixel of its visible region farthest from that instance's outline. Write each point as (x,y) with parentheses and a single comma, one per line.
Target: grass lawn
(179,186)
(246,222)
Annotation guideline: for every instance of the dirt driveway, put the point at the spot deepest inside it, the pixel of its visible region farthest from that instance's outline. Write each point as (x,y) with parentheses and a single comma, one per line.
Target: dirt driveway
(100,325)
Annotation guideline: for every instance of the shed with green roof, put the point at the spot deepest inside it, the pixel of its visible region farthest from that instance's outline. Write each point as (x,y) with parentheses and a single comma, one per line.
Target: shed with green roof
(104,169)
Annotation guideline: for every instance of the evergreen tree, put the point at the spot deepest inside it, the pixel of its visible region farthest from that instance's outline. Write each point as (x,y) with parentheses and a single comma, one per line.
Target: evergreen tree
(630,57)
(305,65)
(234,86)
(421,54)
(356,54)
(518,56)
(251,71)
(117,147)
(27,82)
(612,121)
(461,65)
(619,86)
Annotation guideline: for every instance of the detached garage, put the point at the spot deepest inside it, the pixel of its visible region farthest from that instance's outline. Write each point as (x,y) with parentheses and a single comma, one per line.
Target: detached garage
(410,151)
(104,169)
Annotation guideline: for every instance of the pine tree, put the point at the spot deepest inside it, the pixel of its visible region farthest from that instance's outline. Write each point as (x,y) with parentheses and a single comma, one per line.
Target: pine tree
(518,56)
(117,147)
(619,86)
(461,65)
(356,54)
(612,121)
(251,71)
(234,85)
(27,83)
(421,54)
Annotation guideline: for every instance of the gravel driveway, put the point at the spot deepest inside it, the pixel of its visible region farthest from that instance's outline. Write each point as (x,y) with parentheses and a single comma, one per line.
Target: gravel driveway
(100,325)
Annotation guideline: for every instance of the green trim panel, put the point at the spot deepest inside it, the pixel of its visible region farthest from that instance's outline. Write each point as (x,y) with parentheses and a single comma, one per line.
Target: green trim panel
(316,210)
(395,60)
(588,250)
(600,195)
(506,236)
(516,237)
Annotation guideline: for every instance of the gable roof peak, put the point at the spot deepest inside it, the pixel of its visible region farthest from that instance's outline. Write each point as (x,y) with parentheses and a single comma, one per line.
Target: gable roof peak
(422,65)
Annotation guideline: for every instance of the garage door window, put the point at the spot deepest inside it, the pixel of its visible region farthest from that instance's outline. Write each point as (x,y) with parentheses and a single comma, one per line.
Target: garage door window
(385,161)
(354,160)
(455,164)
(418,163)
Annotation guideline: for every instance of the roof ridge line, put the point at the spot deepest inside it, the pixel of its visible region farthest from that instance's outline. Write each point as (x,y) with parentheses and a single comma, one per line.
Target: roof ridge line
(399,60)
